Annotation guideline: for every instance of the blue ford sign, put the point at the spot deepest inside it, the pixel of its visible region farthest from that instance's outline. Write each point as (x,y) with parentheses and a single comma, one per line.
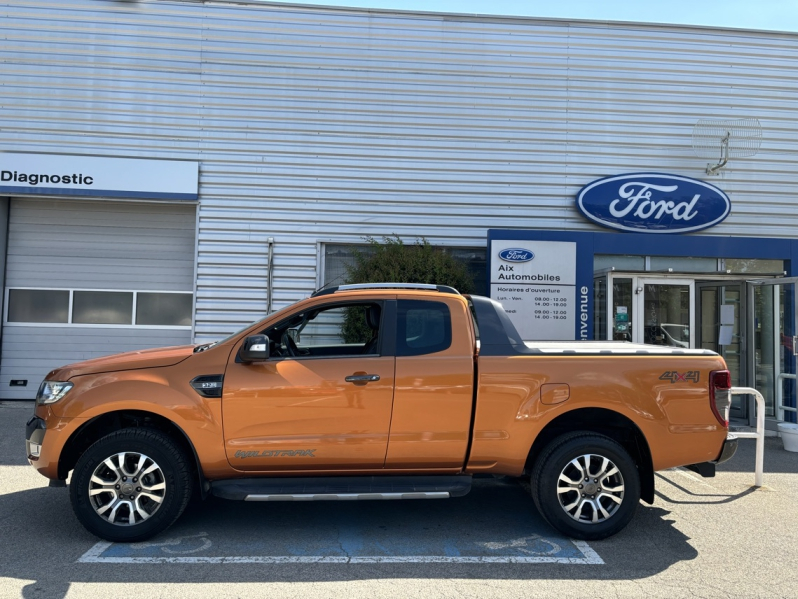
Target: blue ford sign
(516,255)
(653,203)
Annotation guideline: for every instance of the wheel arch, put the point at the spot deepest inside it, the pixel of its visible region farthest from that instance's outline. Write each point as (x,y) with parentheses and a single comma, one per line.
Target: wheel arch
(108,422)
(606,422)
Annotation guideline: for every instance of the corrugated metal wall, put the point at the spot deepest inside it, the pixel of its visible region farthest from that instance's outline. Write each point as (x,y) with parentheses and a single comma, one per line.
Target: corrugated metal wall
(314,124)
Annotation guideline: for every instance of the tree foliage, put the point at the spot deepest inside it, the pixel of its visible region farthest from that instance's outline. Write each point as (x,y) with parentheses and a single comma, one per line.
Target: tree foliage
(394,261)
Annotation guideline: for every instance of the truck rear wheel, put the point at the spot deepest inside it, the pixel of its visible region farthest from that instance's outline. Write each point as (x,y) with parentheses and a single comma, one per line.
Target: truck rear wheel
(130,485)
(586,486)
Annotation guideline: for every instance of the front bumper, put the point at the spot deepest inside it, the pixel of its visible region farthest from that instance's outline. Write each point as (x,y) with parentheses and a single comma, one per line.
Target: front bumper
(707,469)
(45,437)
(35,430)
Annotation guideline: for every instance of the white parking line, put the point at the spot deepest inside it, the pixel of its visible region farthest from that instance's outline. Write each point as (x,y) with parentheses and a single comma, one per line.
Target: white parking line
(94,556)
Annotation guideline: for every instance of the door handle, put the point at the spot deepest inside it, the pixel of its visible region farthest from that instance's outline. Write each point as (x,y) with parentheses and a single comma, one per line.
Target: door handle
(362,378)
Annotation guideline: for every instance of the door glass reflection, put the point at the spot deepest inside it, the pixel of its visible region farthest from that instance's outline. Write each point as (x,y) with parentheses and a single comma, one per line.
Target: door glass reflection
(719,328)
(731,350)
(666,315)
(709,319)
(765,344)
(622,309)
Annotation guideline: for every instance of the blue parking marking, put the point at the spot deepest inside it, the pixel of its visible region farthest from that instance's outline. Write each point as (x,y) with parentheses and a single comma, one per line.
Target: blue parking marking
(495,523)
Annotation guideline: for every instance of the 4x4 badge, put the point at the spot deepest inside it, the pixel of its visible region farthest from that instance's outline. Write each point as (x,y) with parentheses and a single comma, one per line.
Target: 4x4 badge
(675,377)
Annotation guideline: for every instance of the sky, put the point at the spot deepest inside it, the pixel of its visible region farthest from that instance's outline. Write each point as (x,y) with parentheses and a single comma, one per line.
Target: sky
(774,15)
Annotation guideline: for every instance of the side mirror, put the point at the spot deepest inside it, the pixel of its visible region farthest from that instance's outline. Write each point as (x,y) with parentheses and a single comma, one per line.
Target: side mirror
(255,349)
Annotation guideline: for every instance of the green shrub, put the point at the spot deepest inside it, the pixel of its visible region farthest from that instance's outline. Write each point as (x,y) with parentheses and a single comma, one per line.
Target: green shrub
(394,261)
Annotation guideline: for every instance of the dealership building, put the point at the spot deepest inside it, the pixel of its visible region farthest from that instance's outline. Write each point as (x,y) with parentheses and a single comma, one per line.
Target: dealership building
(171,170)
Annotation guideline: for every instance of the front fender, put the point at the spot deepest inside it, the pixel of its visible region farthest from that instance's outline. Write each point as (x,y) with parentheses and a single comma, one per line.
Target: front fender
(148,391)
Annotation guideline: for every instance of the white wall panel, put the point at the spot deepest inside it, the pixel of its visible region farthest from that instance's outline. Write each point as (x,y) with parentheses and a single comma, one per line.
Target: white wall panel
(331,124)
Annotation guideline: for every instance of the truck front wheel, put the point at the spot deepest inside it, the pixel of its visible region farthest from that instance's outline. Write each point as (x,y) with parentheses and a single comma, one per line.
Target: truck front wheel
(586,485)
(130,485)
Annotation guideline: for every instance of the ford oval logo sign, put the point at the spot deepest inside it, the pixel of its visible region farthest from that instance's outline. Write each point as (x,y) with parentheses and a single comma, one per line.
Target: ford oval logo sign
(516,255)
(653,203)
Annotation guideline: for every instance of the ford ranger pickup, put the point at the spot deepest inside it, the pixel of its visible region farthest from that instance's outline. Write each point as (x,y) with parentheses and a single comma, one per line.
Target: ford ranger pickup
(383,391)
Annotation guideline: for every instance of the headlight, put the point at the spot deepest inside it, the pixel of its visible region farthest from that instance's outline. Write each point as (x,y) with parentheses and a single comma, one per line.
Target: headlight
(52,391)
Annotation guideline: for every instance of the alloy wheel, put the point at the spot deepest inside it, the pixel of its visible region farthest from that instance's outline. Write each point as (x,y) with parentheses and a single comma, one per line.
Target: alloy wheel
(127,488)
(590,488)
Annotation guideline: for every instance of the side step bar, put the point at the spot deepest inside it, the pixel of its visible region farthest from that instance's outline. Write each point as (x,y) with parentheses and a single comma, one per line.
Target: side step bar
(342,488)
(347,496)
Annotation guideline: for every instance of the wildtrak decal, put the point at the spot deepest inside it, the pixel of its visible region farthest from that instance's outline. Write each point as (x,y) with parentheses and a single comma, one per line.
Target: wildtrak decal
(276,453)
(675,377)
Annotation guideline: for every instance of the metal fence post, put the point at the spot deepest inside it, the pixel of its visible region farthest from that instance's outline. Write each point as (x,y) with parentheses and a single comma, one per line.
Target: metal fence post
(759,435)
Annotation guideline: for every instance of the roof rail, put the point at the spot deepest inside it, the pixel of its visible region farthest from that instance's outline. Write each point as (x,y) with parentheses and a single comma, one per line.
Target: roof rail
(366,286)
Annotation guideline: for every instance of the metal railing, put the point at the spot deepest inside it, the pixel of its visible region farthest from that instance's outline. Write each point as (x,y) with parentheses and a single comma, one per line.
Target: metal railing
(759,435)
(783,376)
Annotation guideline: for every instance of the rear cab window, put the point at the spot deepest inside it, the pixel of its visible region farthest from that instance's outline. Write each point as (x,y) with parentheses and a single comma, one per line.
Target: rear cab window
(423,327)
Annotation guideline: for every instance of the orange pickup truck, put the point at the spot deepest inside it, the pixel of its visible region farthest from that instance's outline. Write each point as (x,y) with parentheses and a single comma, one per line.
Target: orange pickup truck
(383,391)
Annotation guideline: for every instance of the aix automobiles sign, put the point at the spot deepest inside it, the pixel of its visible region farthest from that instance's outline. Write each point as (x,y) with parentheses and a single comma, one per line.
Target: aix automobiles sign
(653,203)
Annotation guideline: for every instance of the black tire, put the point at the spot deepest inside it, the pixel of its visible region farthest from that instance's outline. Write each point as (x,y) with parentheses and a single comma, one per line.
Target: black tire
(153,503)
(602,505)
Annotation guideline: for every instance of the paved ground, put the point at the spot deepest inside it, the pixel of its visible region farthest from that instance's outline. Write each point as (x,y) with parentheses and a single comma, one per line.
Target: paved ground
(701,538)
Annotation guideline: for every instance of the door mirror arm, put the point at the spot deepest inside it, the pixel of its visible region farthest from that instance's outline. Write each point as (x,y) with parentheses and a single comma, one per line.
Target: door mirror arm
(255,349)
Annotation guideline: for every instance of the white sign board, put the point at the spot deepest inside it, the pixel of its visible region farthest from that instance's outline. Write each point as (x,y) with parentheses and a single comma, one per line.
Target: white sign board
(535,282)
(727,314)
(725,335)
(55,174)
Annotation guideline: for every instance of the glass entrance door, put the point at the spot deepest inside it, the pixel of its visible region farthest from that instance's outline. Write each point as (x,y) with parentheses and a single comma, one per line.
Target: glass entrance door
(721,328)
(645,309)
(772,317)
(665,314)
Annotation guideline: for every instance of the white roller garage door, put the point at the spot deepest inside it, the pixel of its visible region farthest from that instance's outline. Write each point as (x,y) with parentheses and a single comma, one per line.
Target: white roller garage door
(86,279)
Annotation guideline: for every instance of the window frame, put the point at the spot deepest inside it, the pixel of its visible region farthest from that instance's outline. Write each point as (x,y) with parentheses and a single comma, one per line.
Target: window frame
(7,307)
(136,306)
(321,259)
(70,324)
(72,297)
